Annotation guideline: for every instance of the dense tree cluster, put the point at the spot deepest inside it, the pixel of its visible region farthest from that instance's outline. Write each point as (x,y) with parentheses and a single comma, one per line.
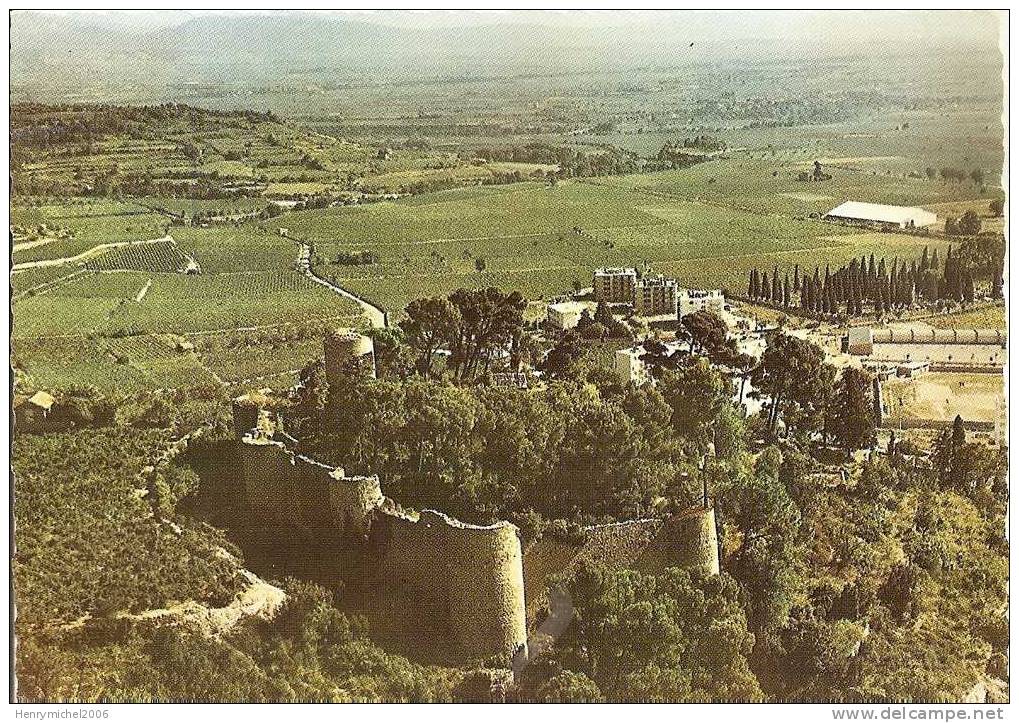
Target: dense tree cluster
(484,453)
(885,287)
(571,161)
(38,125)
(310,652)
(638,637)
(475,326)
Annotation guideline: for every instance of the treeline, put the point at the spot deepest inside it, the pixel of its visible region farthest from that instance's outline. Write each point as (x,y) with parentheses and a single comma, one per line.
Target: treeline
(36,125)
(572,162)
(956,175)
(884,287)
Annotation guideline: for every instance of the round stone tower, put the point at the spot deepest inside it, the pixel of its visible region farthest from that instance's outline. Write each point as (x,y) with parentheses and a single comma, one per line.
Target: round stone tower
(348,353)
(690,540)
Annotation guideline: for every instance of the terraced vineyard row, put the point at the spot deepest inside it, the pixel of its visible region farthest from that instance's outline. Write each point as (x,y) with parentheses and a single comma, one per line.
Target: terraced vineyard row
(164,256)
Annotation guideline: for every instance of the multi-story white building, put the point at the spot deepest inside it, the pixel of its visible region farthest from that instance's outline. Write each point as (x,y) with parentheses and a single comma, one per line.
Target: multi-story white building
(566,314)
(692,300)
(615,285)
(656,296)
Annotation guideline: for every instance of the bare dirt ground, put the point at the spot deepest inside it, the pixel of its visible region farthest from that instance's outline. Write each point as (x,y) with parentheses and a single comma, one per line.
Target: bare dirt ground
(940,396)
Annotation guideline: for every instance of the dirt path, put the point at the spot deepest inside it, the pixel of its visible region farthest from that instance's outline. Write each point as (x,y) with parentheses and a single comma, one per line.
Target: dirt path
(26,245)
(377,317)
(143,291)
(258,599)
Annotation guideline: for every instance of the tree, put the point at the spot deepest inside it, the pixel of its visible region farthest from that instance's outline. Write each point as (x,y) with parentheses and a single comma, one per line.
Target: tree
(762,521)
(393,356)
(851,415)
(789,373)
(997,207)
(951,226)
(969,224)
(965,466)
(676,636)
(569,687)
(707,331)
(562,361)
(488,319)
(430,324)
(697,394)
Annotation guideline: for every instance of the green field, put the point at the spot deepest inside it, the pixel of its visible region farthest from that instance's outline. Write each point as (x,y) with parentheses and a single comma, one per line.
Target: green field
(544,240)
(106,305)
(85,225)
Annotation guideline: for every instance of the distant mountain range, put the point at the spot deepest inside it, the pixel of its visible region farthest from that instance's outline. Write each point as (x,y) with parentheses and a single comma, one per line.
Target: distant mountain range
(66,52)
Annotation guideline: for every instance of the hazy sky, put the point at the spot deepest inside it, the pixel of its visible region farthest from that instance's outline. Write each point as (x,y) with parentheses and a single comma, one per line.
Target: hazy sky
(834,27)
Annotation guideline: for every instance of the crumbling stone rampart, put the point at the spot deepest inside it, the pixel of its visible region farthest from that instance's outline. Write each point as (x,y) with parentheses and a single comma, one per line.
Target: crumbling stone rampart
(469,578)
(347,352)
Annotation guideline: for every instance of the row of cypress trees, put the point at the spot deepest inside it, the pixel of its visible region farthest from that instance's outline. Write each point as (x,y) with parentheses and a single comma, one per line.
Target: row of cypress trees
(883,286)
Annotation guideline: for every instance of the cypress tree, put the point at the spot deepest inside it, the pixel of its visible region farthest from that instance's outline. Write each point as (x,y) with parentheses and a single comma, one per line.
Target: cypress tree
(968,287)
(796,277)
(785,291)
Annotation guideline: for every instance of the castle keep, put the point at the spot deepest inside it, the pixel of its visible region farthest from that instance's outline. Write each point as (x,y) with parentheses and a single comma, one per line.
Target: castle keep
(469,579)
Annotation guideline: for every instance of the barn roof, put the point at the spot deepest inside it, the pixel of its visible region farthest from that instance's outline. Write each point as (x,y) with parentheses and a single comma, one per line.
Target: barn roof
(883,213)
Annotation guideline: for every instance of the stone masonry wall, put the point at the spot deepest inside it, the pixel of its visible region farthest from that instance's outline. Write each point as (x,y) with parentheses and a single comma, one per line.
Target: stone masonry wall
(473,574)
(470,576)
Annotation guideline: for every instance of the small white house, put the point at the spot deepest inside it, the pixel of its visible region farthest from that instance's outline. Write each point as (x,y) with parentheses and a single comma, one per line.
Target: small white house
(566,314)
(690,301)
(861,341)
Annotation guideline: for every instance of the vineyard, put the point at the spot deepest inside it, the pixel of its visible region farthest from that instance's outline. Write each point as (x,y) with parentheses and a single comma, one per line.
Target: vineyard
(545,241)
(123,364)
(162,256)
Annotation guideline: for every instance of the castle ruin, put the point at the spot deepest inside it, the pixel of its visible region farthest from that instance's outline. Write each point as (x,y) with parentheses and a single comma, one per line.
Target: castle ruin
(473,579)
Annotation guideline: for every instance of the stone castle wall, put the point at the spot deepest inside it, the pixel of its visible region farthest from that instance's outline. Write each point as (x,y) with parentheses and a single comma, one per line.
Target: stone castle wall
(289,490)
(469,579)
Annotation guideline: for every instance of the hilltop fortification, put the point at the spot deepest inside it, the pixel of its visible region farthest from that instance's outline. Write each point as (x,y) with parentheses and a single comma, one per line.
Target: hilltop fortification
(468,581)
